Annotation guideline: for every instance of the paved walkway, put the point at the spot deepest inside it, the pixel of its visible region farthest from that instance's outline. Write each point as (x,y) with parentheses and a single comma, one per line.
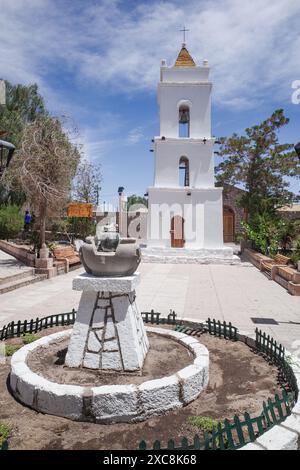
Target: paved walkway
(9,266)
(232,293)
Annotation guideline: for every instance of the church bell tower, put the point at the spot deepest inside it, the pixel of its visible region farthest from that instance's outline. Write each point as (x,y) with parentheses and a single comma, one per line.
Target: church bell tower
(185,207)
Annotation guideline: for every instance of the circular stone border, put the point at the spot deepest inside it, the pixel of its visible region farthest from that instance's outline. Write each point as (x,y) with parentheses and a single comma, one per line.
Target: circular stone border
(110,403)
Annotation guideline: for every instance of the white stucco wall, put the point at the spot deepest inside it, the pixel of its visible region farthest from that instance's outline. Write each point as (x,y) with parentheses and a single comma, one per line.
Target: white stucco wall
(198,94)
(201,162)
(185,74)
(202,211)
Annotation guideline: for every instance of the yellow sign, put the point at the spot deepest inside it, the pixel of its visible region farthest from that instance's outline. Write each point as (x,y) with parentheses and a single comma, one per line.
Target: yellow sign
(77,209)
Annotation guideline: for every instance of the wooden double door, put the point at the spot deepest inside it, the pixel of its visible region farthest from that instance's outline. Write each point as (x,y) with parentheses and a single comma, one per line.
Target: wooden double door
(177,232)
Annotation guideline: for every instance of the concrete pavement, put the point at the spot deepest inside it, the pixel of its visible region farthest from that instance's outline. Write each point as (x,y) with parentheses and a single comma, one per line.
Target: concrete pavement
(232,293)
(10,266)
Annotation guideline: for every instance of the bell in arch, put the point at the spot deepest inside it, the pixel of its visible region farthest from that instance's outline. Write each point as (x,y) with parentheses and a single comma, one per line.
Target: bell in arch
(184,115)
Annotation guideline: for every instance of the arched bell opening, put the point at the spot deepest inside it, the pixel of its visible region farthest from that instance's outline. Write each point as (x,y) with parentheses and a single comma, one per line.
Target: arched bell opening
(184,172)
(184,121)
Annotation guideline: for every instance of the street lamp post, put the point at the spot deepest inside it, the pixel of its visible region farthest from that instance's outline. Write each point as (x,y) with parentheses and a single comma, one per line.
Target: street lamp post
(6,148)
(6,153)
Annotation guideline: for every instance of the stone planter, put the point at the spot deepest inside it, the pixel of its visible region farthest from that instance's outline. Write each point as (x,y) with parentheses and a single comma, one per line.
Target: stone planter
(31,259)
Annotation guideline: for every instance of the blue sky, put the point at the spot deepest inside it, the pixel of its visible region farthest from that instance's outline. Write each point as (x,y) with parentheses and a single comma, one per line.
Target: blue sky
(97,61)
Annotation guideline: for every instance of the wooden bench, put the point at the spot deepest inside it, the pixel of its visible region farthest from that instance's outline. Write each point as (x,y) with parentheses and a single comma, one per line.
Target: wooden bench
(271,266)
(67,255)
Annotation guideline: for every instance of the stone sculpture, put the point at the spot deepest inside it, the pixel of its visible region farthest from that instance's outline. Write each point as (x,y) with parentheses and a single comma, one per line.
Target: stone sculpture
(110,256)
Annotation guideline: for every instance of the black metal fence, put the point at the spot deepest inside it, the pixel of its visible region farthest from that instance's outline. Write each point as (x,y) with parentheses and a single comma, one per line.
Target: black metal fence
(234,434)
(17,329)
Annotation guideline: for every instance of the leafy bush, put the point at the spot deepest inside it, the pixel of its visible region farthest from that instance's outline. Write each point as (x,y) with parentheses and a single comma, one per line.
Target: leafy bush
(208,425)
(204,423)
(295,257)
(11,221)
(10,349)
(5,431)
(266,233)
(30,338)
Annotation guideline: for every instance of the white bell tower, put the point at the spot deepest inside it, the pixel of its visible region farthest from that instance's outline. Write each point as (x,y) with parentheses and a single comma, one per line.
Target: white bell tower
(185,207)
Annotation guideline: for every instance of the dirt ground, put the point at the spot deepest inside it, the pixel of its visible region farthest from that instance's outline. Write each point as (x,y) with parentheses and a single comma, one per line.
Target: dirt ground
(164,354)
(240,381)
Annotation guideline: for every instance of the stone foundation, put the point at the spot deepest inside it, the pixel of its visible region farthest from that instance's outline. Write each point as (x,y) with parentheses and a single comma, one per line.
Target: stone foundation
(109,332)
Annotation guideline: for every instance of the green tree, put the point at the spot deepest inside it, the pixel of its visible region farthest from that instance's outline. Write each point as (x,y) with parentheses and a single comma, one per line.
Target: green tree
(23,105)
(261,164)
(136,202)
(11,221)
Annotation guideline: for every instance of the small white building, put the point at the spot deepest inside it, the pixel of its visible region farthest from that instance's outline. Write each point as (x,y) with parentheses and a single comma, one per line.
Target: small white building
(185,207)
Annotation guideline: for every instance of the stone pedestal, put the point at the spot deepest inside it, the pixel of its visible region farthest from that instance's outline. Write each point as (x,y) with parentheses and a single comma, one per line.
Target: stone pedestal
(109,332)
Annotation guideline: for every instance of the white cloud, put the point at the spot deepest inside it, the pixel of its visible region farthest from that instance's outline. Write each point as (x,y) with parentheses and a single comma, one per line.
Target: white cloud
(135,135)
(253,46)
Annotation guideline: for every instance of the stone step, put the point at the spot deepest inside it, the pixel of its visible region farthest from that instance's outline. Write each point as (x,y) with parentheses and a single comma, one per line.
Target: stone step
(16,284)
(23,274)
(204,252)
(188,256)
(190,260)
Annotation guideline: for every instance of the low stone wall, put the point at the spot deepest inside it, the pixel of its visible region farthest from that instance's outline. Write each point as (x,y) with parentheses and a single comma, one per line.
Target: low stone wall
(254,257)
(287,277)
(111,403)
(18,252)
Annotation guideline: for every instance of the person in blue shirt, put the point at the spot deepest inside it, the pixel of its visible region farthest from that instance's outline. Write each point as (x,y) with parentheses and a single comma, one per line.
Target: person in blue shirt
(27,221)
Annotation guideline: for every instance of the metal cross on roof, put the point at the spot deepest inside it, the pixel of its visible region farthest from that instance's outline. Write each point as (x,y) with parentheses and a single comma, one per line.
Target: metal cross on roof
(184,30)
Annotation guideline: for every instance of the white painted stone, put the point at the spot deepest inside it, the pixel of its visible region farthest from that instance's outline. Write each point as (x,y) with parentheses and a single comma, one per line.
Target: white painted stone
(103,303)
(110,331)
(61,400)
(202,361)
(251,446)
(190,340)
(98,319)
(279,438)
(115,403)
(198,349)
(160,331)
(91,361)
(99,334)
(132,354)
(22,389)
(207,257)
(81,328)
(191,380)
(122,285)
(157,396)
(94,344)
(111,345)
(108,311)
(292,423)
(111,361)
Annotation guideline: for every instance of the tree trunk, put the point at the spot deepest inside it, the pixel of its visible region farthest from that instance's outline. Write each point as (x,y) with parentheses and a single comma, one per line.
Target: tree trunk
(43,211)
